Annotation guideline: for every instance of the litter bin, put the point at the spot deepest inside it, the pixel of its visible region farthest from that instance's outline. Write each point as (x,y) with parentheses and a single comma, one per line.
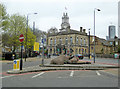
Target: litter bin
(16,65)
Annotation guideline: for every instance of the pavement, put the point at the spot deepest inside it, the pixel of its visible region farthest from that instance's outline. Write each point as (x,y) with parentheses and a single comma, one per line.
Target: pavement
(49,67)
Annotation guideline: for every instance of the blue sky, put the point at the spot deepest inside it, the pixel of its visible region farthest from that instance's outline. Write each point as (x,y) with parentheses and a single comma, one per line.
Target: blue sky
(80,13)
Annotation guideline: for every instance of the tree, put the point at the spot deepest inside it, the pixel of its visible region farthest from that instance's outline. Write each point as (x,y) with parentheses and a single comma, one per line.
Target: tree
(119,49)
(3,18)
(17,26)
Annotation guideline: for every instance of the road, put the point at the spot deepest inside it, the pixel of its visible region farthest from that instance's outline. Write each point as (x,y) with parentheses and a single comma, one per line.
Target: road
(71,78)
(36,61)
(67,78)
(9,65)
(103,60)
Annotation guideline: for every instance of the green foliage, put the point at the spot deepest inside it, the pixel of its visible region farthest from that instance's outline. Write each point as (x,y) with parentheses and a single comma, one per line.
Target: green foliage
(119,49)
(13,26)
(3,18)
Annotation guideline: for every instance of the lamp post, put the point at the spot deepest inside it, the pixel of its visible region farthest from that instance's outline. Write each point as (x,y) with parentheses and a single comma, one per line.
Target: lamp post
(26,35)
(94,31)
(89,44)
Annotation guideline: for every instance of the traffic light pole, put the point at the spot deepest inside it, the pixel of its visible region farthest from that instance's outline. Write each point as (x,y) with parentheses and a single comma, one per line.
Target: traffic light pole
(89,43)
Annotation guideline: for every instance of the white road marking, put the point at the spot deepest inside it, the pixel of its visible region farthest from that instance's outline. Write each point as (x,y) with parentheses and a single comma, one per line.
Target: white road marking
(71,74)
(59,77)
(6,76)
(38,74)
(98,73)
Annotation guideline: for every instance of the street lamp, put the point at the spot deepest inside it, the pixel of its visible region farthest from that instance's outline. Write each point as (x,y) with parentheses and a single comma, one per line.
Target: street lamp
(26,35)
(94,31)
(89,43)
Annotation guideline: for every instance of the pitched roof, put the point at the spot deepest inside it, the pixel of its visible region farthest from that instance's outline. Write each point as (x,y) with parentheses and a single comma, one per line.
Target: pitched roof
(105,42)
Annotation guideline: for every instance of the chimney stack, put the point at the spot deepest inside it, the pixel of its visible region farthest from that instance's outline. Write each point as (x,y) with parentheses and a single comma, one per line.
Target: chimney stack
(84,30)
(80,29)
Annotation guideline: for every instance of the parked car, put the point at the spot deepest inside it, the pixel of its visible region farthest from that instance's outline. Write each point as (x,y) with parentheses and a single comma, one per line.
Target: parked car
(80,56)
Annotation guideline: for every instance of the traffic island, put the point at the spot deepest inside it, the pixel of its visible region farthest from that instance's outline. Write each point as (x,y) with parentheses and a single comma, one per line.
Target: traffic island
(51,67)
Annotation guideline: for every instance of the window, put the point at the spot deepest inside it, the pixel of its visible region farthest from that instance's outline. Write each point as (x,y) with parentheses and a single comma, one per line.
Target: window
(66,42)
(54,50)
(116,43)
(79,51)
(76,51)
(50,51)
(85,50)
(84,42)
(111,43)
(81,41)
(51,41)
(55,41)
(60,41)
(82,51)
(71,40)
(77,40)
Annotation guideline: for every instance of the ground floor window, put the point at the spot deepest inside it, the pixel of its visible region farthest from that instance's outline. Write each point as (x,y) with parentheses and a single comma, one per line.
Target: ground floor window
(79,51)
(85,50)
(50,51)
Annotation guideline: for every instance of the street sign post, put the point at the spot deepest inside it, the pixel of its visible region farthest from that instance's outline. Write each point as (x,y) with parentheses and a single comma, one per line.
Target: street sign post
(21,39)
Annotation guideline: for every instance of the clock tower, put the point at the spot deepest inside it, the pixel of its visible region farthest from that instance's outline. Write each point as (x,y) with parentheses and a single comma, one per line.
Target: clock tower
(65,22)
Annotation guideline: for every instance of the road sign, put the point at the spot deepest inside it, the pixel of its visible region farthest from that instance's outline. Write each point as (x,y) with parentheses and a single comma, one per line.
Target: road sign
(16,65)
(42,40)
(21,38)
(15,62)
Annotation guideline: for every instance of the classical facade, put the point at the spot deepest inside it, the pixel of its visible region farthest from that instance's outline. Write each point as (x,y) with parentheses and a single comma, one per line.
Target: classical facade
(67,40)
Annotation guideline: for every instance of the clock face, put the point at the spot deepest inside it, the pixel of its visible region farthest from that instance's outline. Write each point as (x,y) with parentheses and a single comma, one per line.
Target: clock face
(64,26)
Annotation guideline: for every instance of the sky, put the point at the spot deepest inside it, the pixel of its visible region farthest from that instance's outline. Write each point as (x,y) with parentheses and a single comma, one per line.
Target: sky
(80,12)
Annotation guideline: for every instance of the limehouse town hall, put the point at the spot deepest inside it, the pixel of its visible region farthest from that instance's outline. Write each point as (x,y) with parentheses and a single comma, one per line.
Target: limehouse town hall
(67,40)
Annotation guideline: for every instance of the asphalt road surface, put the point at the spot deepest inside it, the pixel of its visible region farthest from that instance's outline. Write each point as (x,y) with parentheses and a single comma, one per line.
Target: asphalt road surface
(71,78)
(9,65)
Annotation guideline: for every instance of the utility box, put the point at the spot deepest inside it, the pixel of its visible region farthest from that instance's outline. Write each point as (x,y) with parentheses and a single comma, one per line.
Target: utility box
(16,65)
